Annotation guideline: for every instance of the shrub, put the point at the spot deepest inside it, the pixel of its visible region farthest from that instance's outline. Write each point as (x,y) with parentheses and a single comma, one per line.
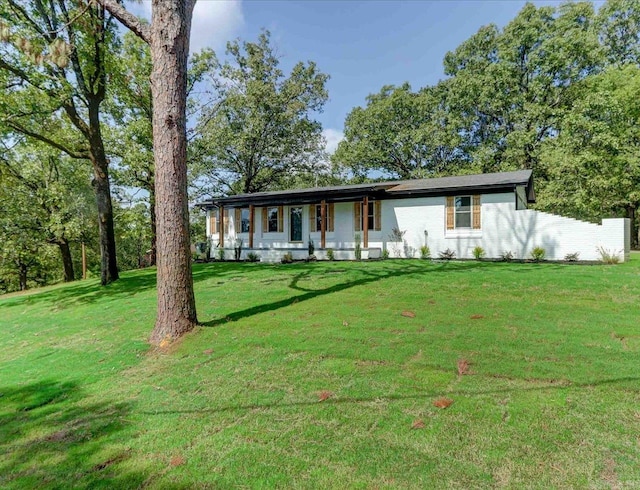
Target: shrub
(312,247)
(358,248)
(607,256)
(447,254)
(237,250)
(478,253)
(425,252)
(221,254)
(287,258)
(538,254)
(253,257)
(385,254)
(507,256)
(330,255)
(397,235)
(572,257)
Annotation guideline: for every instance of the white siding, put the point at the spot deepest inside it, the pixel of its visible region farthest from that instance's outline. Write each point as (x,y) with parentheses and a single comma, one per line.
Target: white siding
(423,220)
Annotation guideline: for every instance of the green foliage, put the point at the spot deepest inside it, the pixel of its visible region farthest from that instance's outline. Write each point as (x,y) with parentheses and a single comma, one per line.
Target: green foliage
(572,257)
(358,247)
(253,257)
(403,133)
(385,254)
(478,253)
(261,133)
(538,254)
(221,254)
(447,254)
(330,254)
(425,252)
(311,247)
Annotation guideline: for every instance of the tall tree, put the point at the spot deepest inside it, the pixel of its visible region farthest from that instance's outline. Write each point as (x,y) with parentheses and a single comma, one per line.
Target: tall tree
(512,86)
(594,164)
(130,105)
(54,189)
(260,131)
(619,29)
(402,133)
(54,58)
(168,38)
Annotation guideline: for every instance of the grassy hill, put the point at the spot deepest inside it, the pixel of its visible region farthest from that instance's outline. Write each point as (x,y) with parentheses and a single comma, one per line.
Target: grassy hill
(325,375)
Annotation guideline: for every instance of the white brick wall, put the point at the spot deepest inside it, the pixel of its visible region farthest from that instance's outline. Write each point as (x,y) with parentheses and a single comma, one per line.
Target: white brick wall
(423,220)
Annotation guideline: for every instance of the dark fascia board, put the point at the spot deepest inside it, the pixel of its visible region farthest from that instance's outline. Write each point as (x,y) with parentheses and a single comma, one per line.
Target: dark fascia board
(377,190)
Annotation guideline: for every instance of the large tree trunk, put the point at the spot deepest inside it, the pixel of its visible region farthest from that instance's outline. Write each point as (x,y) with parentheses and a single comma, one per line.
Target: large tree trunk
(67,263)
(635,231)
(170,27)
(154,230)
(22,276)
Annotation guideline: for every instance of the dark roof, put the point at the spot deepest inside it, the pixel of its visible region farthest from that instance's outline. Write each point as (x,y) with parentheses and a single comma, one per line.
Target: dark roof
(440,186)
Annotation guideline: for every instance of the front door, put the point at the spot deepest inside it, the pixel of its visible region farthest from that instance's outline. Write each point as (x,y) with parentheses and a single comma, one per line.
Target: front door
(295,225)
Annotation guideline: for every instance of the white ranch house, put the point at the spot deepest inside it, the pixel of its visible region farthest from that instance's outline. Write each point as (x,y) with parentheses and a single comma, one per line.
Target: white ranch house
(456,213)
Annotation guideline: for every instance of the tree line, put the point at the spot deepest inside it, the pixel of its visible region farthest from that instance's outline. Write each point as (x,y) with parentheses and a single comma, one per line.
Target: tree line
(94,148)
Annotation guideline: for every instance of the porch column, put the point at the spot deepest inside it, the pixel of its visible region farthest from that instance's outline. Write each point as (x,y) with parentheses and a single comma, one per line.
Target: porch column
(251,216)
(323,225)
(221,226)
(365,222)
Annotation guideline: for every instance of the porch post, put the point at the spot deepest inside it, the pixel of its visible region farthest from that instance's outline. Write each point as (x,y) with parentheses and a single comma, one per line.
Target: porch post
(365,222)
(251,216)
(221,226)
(323,225)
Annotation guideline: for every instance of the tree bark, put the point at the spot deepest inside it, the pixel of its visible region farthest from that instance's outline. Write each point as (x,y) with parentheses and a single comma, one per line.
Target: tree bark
(170,28)
(154,227)
(22,274)
(67,263)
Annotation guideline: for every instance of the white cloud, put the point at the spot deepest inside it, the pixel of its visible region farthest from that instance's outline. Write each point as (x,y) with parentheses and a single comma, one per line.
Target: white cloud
(214,22)
(333,137)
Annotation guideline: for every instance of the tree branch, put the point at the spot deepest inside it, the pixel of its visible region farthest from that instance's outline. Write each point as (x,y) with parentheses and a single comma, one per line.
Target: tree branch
(80,155)
(129,20)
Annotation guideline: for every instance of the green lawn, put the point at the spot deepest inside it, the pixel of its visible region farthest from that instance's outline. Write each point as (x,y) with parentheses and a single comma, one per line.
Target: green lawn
(309,375)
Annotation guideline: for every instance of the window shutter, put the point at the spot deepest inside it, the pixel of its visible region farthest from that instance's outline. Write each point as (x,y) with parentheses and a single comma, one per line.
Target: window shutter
(476,212)
(280,219)
(330,220)
(357,216)
(225,214)
(377,214)
(312,218)
(450,215)
(265,224)
(237,223)
(213,223)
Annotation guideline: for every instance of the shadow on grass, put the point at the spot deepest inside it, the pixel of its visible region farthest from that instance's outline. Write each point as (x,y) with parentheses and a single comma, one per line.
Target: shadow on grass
(423,395)
(49,438)
(130,283)
(368,276)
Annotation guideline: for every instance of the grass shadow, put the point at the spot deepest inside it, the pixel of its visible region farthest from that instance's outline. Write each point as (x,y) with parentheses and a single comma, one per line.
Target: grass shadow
(50,437)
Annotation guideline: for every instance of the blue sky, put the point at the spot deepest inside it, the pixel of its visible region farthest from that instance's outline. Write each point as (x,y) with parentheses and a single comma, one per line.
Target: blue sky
(362,45)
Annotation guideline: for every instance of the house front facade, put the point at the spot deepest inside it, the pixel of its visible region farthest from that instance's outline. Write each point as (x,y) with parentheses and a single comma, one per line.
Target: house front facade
(448,213)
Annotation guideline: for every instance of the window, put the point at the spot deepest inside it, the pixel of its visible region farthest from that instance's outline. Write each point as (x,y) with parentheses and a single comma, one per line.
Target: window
(242,221)
(272,219)
(463,212)
(315,217)
(372,215)
(214,221)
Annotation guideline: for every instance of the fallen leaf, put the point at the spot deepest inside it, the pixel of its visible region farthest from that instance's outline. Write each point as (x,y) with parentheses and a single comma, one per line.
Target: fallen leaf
(208,352)
(408,314)
(443,402)
(463,367)
(324,395)
(345,324)
(418,424)
(476,317)
(177,461)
